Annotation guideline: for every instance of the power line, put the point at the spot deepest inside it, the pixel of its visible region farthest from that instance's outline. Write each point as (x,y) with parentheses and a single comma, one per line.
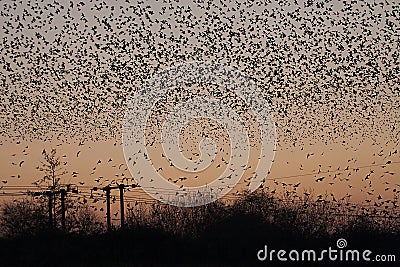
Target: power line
(334,171)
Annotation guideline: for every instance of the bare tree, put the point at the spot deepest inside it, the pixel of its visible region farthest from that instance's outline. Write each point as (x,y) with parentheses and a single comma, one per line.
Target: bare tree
(83,220)
(53,168)
(23,217)
(28,217)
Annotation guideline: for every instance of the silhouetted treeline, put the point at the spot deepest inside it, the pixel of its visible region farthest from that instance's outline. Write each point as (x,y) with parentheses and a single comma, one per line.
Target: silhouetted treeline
(218,234)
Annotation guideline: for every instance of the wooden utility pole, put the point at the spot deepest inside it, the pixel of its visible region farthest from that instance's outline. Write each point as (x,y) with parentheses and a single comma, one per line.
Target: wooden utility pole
(63,193)
(108,189)
(122,207)
(50,195)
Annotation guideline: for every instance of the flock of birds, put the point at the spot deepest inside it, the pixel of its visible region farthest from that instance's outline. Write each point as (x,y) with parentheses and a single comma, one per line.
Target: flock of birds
(329,69)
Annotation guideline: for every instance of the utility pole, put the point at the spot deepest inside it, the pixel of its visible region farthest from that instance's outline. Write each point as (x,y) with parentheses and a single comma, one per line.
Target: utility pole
(108,189)
(63,193)
(50,195)
(122,207)
(54,196)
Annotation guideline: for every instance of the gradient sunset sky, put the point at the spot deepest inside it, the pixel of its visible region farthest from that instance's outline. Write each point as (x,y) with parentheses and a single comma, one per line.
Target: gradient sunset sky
(328,69)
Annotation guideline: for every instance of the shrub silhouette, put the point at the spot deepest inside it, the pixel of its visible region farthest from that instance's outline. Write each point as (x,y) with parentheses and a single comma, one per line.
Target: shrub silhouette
(221,233)
(23,218)
(29,217)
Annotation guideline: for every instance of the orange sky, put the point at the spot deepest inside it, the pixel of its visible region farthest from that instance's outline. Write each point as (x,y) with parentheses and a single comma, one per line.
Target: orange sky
(329,73)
